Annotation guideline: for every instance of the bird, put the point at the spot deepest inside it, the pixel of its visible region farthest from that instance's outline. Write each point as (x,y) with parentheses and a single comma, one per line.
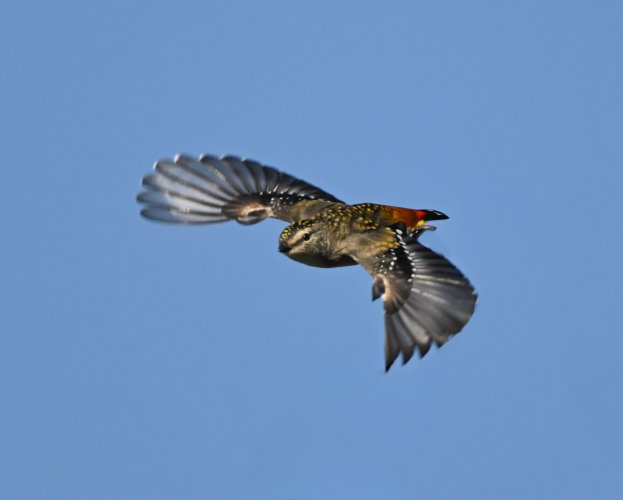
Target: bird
(426,299)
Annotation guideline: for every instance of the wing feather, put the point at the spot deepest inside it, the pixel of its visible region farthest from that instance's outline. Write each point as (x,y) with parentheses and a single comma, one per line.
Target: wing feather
(206,190)
(426,298)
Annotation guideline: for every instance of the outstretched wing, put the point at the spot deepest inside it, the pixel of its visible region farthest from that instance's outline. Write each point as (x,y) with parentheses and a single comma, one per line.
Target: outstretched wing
(209,189)
(426,298)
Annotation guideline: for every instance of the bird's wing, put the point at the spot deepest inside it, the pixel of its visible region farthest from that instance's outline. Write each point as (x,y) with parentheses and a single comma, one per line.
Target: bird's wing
(426,298)
(209,189)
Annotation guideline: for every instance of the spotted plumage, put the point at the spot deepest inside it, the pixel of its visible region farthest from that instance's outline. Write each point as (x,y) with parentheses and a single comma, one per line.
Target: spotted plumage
(426,298)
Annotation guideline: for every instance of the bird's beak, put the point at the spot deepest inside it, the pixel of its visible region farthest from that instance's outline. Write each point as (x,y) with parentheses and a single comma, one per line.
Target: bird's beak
(284,247)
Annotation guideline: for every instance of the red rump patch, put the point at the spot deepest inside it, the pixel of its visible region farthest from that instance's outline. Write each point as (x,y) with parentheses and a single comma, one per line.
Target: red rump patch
(411,217)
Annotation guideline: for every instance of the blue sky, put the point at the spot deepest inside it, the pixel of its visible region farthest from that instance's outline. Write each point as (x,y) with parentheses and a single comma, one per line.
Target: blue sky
(140,360)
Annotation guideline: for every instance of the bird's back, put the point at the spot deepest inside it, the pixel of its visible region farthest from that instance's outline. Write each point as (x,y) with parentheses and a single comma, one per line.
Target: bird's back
(371,216)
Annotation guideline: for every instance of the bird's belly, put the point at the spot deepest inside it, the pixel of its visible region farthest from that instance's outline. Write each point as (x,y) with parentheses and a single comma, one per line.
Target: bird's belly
(321,261)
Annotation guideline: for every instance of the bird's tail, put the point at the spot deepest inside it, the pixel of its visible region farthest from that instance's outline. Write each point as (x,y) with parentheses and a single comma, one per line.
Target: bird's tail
(413,219)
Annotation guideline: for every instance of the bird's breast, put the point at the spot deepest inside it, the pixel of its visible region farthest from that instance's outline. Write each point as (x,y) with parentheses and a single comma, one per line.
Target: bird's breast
(323,261)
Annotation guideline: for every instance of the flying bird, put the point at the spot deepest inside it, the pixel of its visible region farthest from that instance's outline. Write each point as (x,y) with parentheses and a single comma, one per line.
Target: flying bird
(426,298)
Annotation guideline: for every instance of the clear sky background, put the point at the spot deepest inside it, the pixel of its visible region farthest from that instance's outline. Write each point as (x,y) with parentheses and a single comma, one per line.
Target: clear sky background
(140,360)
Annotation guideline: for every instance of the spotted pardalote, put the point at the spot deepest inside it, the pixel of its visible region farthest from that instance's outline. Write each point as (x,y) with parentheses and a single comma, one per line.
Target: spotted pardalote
(426,298)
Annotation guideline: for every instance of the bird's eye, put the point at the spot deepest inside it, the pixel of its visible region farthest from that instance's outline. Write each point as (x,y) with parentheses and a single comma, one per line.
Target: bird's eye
(306,236)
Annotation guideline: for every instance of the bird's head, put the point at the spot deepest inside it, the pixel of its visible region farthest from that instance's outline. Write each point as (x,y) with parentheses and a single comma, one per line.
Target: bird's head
(304,241)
